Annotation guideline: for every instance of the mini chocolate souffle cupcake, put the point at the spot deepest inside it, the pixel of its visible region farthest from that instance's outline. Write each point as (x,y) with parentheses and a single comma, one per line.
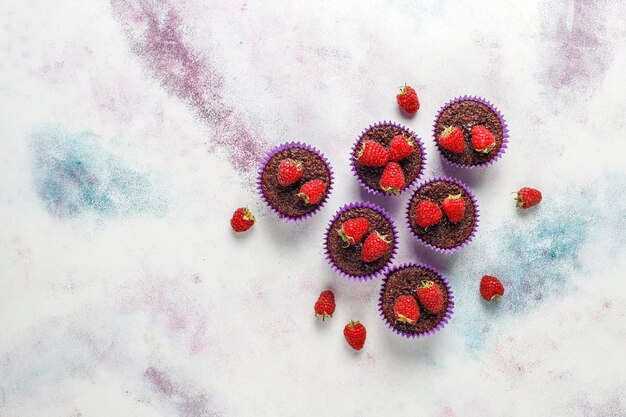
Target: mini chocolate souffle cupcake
(443,214)
(387,158)
(470,132)
(430,293)
(295,181)
(361,241)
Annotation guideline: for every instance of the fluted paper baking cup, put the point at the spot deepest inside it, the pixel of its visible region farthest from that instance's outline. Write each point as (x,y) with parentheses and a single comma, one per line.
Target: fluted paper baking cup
(505,132)
(307,147)
(442,323)
(410,133)
(476,215)
(329,230)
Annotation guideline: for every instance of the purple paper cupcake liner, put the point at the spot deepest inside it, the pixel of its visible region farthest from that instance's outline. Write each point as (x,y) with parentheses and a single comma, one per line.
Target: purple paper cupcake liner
(476,215)
(505,131)
(282,147)
(394,250)
(417,139)
(439,325)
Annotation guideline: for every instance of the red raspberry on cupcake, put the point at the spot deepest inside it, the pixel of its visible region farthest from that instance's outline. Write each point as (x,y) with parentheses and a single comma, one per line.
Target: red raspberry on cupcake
(454,207)
(375,247)
(430,296)
(400,147)
(406,309)
(313,191)
(353,230)
(372,154)
(482,139)
(392,180)
(289,171)
(452,139)
(428,213)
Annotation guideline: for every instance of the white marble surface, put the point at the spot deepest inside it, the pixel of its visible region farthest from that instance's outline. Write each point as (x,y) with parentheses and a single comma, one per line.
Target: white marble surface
(130,130)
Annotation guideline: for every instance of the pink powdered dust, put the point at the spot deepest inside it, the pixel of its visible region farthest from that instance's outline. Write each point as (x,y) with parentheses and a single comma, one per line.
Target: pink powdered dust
(580,54)
(178,312)
(188,402)
(447,412)
(155,31)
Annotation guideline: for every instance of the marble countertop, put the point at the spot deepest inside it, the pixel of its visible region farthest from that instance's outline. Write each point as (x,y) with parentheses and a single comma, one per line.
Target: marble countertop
(131,129)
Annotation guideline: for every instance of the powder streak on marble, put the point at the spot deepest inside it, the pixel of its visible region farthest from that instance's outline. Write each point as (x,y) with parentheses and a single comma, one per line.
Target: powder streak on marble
(75,175)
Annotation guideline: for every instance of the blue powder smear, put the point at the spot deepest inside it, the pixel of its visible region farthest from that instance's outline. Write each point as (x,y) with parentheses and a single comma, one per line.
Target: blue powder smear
(536,255)
(74,176)
(541,257)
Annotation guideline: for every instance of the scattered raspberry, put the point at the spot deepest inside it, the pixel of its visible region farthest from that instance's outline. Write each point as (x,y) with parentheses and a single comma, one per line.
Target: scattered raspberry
(313,191)
(406,309)
(289,171)
(355,334)
(491,288)
(454,207)
(452,139)
(352,230)
(374,247)
(400,147)
(428,213)
(482,139)
(430,296)
(407,100)
(372,154)
(325,305)
(392,180)
(527,197)
(242,220)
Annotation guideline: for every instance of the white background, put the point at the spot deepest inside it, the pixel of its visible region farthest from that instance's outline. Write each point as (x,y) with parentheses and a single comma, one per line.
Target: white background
(165,311)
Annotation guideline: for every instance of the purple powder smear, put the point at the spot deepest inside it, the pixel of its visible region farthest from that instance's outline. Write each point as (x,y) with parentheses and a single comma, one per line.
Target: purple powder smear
(182,315)
(580,53)
(188,403)
(160,382)
(155,31)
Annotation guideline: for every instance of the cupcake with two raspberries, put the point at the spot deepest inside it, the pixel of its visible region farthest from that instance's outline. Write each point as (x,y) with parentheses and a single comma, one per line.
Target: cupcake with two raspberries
(387,158)
(415,300)
(470,132)
(295,181)
(443,214)
(361,241)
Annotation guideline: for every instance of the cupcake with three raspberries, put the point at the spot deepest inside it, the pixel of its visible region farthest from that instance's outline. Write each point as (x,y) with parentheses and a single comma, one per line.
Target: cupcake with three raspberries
(295,181)
(415,300)
(470,132)
(361,241)
(443,214)
(387,158)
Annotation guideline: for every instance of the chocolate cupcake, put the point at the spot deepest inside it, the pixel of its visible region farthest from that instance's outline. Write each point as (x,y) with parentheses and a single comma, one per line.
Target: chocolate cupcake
(411,164)
(290,202)
(443,214)
(462,118)
(345,254)
(406,280)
